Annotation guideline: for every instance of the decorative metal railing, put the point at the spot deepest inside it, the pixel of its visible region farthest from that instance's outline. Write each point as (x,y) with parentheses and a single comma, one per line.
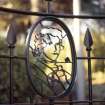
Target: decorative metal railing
(50,57)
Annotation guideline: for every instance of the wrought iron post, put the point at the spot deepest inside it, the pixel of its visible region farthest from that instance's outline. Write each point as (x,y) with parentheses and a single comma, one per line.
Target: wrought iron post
(51,101)
(11,40)
(88,41)
(11,73)
(48,5)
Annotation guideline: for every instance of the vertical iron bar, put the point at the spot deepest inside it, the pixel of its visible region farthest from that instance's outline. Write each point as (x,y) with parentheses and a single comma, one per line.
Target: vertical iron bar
(89,76)
(51,101)
(70,100)
(48,6)
(11,74)
(11,40)
(88,42)
(31,99)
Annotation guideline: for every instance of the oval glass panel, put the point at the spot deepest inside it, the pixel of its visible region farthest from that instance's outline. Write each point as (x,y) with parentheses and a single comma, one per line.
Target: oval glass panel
(51,58)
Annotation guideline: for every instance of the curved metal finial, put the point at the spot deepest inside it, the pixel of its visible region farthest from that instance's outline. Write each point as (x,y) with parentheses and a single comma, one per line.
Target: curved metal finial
(88,41)
(11,35)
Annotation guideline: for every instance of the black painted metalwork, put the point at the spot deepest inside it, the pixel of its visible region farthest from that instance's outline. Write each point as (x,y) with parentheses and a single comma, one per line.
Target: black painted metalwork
(51,45)
(49,5)
(88,42)
(11,36)
(11,40)
(59,15)
(38,56)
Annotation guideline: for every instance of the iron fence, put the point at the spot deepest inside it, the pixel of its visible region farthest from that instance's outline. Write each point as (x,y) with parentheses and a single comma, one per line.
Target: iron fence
(88,42)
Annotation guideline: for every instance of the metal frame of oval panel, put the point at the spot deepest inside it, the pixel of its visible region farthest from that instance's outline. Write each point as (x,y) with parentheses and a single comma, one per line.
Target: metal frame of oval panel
(37,53)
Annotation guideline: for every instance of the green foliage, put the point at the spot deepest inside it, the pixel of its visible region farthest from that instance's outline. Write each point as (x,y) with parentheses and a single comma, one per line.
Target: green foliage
(20,4)
(22,87)
(7,18)
(98,51)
